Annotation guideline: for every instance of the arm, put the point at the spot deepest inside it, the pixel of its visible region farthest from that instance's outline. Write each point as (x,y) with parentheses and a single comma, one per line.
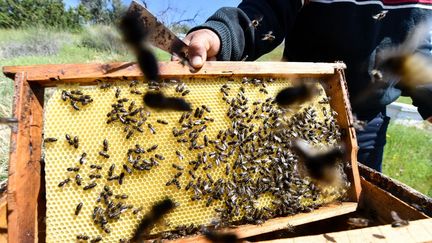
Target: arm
(237,37)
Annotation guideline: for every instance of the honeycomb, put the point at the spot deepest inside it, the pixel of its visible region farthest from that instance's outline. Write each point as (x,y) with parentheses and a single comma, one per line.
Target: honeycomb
(143,188)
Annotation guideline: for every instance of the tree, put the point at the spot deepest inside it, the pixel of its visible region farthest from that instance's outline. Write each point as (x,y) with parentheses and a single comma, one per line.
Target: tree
(98,10)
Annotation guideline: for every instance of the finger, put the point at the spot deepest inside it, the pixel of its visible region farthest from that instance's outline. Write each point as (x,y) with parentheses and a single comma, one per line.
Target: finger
(198,47)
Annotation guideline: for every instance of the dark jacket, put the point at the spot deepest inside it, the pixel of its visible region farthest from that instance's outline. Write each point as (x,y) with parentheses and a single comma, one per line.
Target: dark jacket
(327,31)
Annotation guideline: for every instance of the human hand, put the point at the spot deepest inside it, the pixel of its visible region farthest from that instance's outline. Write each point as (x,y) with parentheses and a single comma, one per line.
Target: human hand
(204,45)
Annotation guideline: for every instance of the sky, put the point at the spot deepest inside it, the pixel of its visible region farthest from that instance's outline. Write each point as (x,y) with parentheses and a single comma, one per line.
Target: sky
(189,7)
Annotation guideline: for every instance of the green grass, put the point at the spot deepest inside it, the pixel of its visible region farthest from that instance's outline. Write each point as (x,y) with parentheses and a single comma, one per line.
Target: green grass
(408,157)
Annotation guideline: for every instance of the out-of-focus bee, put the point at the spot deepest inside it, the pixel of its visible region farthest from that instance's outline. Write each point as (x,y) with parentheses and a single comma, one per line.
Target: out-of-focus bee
(151,218)
(320,165)
(220,237)
(296,94)
(158,100)
(268,36)
(409,68)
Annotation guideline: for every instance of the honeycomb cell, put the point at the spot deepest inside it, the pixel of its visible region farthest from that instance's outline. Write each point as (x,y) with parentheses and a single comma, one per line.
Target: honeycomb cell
(148,186)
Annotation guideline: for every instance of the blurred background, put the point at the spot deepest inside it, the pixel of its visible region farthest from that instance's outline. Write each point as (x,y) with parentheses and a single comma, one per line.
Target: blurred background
(83,31)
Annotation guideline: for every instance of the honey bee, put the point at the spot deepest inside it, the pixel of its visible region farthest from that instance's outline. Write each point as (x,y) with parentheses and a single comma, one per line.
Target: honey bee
(156,213)
(90,186)
(78,180)
(78,208)
(411,68)
(255,22)
(104,154)
(268,36)
(62,183)
(397,221)
(96,239)
(50,140)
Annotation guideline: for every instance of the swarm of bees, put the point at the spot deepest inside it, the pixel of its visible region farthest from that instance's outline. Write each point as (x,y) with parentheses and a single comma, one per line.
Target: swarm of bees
(257,151)
(75,98)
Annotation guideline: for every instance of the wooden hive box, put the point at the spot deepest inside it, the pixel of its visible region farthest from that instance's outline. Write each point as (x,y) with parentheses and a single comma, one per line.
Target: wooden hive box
(26,187)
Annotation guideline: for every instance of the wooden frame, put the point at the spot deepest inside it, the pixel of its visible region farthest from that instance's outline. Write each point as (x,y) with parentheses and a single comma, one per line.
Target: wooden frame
(26,200)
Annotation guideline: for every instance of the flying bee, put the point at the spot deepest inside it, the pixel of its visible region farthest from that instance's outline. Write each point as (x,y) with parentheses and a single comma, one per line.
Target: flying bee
(50,140)
(156,213)
(381,15)
(220,237)
(268,36)
(296,95)
(160,101)
(320,165)
(255,23)
(402,63)
(78,208)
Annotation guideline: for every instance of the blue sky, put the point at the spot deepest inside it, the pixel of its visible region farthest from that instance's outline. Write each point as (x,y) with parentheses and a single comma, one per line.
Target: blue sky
(190,7)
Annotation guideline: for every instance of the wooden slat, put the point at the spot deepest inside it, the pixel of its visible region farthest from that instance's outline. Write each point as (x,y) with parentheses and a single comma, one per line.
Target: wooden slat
(403,192)
(271,225)
(84,73)
(24,165)
(3,218)
(379,203)
(336,88)
(416,231)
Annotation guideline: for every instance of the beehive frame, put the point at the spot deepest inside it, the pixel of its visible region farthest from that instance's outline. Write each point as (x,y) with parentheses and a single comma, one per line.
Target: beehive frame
(26,191)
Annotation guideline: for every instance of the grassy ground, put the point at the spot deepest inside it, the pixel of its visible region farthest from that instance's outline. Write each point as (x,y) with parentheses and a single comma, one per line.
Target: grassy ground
(407,158)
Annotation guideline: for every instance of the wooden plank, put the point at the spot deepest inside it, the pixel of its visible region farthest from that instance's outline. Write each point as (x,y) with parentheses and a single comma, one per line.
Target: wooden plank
(271,225)
(24,165)
(419,228)
(403,192)
(379,203)
(336,88)
(84,73)
(3,218)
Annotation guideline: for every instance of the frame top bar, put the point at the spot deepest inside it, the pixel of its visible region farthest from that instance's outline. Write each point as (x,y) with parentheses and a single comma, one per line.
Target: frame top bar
(49,75)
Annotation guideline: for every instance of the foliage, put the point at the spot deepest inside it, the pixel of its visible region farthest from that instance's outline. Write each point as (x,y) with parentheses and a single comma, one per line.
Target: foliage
(103,38)
(47,13)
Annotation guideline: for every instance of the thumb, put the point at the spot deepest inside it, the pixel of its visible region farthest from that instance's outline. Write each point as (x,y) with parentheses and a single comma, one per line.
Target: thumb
(197,52)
